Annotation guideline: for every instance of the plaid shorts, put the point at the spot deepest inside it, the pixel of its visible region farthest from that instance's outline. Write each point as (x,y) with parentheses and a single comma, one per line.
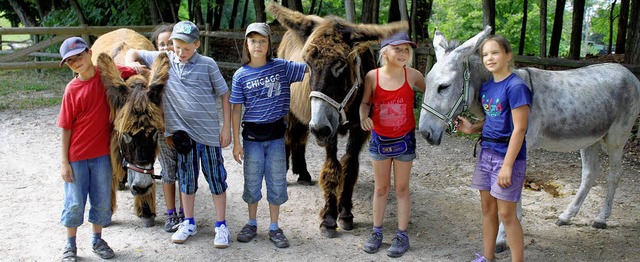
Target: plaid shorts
(212,167)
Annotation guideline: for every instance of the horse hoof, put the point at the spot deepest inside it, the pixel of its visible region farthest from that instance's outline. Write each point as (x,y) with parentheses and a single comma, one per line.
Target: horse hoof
(561,223)
(148,221)
(599,225)
(501,247)
(306,182)
(328,229)
(346,223)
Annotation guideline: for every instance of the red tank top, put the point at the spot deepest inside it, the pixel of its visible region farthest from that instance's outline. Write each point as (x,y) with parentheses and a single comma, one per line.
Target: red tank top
(393,110)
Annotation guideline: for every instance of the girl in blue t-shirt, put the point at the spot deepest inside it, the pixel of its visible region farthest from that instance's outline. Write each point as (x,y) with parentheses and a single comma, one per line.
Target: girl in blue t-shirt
(500,172)
(261,85)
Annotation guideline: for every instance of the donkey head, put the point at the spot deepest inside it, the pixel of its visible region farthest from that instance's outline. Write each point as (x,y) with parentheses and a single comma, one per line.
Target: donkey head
(136,110)
(331,48)
(445,83)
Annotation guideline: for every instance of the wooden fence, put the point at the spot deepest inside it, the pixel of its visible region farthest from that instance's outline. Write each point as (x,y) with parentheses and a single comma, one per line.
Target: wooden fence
(8,57)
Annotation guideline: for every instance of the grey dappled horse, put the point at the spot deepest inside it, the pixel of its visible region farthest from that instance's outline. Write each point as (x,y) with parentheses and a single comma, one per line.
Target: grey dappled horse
(571,110)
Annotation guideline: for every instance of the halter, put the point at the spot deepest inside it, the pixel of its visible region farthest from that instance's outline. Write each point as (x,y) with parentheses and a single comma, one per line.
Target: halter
(340,106)
(138,169)
(462,100)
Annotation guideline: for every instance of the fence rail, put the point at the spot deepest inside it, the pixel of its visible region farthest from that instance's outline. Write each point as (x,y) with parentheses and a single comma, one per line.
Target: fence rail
(8,59)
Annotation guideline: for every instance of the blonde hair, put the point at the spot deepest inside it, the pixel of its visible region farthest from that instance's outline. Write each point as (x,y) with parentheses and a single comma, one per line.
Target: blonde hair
(382,61)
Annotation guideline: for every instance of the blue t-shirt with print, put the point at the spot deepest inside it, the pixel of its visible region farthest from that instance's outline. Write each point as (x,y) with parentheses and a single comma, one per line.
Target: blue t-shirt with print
(498,99)
(265,91)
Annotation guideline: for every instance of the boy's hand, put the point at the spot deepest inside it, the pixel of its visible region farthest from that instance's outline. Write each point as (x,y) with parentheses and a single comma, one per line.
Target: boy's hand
(225,137)
(140,68)
(238,153)
(67,174)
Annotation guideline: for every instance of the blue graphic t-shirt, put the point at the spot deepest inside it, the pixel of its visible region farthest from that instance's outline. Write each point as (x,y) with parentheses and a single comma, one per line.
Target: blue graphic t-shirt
(498,99)
(264,91)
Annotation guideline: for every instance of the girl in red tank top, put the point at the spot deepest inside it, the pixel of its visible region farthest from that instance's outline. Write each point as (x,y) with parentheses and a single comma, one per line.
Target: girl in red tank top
(392,124)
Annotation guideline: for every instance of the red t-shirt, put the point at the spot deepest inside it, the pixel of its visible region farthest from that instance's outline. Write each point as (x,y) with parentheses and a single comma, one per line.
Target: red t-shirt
(393,110)
(85,111)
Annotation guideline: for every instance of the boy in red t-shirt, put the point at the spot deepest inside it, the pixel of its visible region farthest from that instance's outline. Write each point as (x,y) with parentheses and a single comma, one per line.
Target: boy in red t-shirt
(86,132)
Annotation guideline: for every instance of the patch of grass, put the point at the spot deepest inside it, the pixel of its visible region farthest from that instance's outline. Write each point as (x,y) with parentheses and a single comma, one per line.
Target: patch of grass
(5,23)
(31,89)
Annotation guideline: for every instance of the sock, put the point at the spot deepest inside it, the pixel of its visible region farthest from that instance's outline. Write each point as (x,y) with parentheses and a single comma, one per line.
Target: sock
(191,220)
(252,222)
(181,210)
(71,241)
(96,237)
(220,223)
(377,229)
(273,226)
(402,234)
(171,211)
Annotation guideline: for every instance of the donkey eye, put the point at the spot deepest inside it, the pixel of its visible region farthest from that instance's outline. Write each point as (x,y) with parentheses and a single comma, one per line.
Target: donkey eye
(338,68)
(442,87)
(127,138)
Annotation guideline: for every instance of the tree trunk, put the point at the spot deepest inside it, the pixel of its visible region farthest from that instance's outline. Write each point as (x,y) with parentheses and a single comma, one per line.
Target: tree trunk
(174,6)
(258,5)
(312,7)
(423,14)
(376,11)
(43,8)
(319,8)
(622,26)
(576,29)
(523,29)
(611,18)
(350,10)
(217,15)
(78,10)
(556,32)
(489,14)
(153,13)
(244,13)
(394,11)
(402,6)
(543,28)
(367,12)
(234,14)
(22,10)
(197,11)
(296,5)
(632,51)
(284,3)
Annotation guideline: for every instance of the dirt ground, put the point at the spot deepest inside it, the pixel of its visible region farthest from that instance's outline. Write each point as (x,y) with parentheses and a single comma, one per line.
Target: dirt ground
(445,220)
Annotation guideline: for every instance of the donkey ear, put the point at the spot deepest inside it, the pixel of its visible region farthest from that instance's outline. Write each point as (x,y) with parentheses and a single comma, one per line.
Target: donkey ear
(158,78)
(295,21)
(117,90)
(472,44)
(370,32)
(440,45)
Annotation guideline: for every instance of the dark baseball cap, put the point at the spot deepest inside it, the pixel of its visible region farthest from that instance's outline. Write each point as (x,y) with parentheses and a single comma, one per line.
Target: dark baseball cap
(260,28)
(72,46)
(186,31)
(398,39)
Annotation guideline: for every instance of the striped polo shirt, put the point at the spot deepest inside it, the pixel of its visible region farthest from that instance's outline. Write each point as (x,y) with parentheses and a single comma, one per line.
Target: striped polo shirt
(265,91)
(189,99)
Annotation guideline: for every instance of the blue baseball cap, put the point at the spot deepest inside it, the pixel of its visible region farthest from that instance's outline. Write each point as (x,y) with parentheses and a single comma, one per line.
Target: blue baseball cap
(398,39)
(186,31)
(72,46)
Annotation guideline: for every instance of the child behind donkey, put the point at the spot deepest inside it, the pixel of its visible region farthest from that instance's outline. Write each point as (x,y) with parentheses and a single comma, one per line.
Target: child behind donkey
(191,117)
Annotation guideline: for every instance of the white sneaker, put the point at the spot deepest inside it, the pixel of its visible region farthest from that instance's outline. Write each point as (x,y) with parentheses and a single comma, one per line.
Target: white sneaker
(223,238)
(184,231)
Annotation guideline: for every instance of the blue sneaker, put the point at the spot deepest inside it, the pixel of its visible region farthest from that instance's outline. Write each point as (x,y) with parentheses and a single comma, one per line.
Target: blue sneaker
(480,258)
(373,243)
(399,245)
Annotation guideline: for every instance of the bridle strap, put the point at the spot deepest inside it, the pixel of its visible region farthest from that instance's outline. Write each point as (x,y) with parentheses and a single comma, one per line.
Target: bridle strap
(340,106)
(463,101)
(148,171)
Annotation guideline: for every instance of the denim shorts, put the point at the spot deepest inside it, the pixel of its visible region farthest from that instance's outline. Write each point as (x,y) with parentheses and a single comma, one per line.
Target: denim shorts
(265,160)
(168,158)
(485,176)
(408,156)
(92,177)
(212,167)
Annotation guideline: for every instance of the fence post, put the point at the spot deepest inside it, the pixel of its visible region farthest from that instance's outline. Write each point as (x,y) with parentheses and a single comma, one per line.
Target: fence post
(205,52)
